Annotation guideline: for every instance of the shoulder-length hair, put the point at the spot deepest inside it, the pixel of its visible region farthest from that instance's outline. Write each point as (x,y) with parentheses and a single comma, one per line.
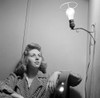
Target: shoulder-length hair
(21,66)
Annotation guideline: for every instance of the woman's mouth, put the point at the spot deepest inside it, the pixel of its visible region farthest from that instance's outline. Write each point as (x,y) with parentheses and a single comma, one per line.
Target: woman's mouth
(37,63)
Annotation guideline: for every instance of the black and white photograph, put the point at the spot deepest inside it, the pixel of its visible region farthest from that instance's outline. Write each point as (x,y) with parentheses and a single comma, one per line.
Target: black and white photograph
(49,49)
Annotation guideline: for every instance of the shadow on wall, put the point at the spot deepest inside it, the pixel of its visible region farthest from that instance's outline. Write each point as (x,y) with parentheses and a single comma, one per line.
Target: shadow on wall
(74,94)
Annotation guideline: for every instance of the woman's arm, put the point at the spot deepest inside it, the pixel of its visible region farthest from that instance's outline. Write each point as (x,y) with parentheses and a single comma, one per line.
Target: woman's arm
(73,79)
(52,81)
(16,95)
(8,91)
(7,87)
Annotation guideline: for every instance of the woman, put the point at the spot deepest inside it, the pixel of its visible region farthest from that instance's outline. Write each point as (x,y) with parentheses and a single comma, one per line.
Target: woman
(29,79)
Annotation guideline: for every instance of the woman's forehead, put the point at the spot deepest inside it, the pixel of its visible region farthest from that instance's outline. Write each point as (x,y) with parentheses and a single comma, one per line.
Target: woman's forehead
(34,51)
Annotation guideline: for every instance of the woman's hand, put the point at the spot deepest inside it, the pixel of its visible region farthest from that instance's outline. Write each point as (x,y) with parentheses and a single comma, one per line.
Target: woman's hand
(15,95)
(8,90)
(52,81)
(5,88)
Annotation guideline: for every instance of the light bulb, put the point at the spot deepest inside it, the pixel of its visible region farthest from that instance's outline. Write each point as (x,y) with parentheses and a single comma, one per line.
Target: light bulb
(70,13)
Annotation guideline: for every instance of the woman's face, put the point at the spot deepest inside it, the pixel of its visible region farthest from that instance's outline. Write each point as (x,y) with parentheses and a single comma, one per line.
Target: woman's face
(34,58)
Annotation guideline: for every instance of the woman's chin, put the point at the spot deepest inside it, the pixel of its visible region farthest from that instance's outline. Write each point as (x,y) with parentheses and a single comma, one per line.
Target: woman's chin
(37,66)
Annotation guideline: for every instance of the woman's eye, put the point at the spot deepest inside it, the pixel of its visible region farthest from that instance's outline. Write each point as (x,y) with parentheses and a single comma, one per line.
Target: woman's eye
(40,55)
(32,55)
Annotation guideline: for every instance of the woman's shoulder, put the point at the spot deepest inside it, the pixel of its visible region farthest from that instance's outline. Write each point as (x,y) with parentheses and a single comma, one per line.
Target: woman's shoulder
(42,75)
(12,77)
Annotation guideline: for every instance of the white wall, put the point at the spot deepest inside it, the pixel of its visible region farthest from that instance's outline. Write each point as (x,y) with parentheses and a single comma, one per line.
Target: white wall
(12,17)
(62,48)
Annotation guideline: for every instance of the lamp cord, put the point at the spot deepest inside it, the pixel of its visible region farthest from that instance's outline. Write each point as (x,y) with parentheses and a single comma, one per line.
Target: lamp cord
(90,63)
(91,57)
(25,25)
(87,32)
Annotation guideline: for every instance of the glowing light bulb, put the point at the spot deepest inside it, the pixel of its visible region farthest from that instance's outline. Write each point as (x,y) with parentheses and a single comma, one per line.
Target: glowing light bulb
(70,13)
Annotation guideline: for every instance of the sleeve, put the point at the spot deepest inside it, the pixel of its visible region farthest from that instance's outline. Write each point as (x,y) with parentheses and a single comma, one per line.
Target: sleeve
(3,95)
(74,79)
(7,86)
(11,80)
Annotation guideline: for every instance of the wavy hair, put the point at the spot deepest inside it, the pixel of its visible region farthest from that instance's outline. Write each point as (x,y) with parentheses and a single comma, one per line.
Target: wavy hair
(21,68)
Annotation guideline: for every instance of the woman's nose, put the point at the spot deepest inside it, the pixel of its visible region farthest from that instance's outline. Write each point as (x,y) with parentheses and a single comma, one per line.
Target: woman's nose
(37,58)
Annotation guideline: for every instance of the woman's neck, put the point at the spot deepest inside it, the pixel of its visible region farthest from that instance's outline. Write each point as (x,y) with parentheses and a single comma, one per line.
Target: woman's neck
(31,72)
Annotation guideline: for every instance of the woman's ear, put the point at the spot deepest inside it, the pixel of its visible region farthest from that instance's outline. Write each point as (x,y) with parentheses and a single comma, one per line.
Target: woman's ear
(25,53)
(25,60)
